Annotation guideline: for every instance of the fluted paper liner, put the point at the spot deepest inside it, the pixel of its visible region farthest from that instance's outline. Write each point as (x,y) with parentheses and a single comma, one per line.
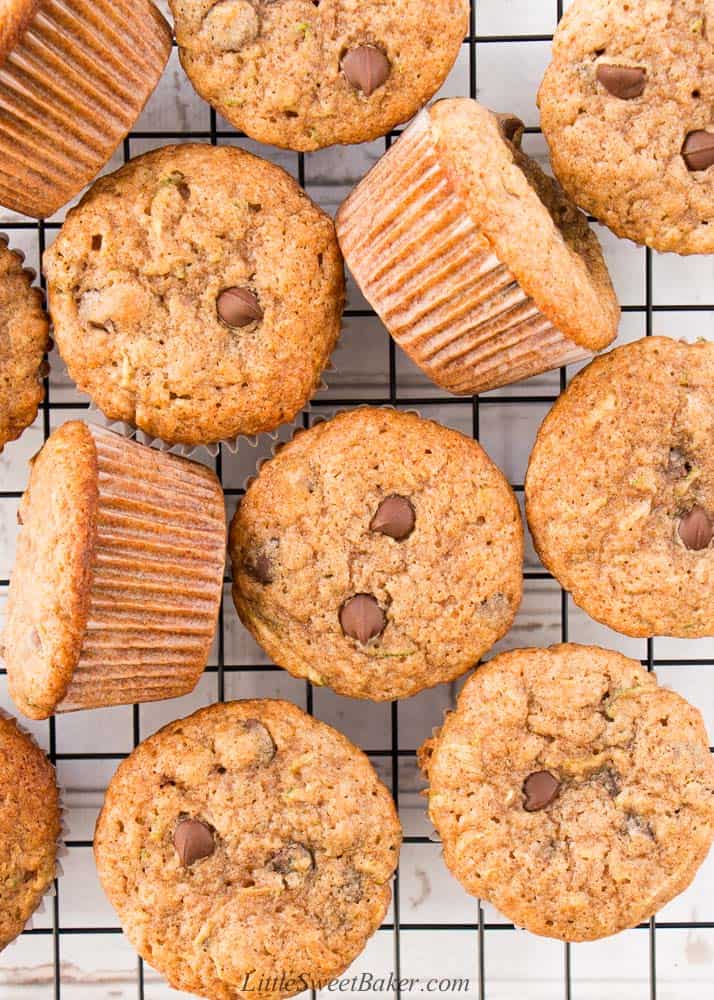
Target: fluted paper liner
(434,279)
(157,577)
(70,89)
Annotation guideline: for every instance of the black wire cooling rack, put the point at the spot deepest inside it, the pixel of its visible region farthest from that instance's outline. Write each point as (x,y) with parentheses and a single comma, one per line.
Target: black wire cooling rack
(393,752)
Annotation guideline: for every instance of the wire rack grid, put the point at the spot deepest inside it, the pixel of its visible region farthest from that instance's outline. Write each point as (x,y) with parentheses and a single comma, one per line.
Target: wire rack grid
(487,943)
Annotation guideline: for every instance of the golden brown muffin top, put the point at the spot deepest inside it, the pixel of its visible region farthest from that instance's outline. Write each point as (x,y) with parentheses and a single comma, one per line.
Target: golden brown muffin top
(197,294)
(246,842)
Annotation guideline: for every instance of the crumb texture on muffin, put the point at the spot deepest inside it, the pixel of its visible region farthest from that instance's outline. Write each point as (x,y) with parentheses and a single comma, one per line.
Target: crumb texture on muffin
(23,342)
(304,75)
(620,489)
(196,294)
(29,828)
(629,89)
(571,791)
(378,554)
(246,844)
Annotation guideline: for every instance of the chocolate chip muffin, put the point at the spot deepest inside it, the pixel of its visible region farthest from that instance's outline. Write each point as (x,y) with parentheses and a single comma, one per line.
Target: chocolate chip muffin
(626,107)
(480,267)
(75,77)
(379,554)
(248,851)
(23,342)
(196,294)
(620,489)
(571,791)
(118,575)
(304,74)
(29,828)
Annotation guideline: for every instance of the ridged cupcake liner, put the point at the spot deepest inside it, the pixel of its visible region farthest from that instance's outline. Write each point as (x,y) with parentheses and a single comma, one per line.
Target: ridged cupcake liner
(71,88)
(157,581)
(62,849)
(433,278)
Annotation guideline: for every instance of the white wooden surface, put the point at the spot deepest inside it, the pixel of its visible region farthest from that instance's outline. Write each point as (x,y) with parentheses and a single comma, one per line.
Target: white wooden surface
(518,965)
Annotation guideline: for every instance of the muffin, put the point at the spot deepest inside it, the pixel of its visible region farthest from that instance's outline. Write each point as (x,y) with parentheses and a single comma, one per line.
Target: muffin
(620,489)
(571,791)
(75,77)
(29,828)
(479,266)
(23,342)
(118,575)
(196,294)
(303,75)
(378,554)
(626,107)
(248,851)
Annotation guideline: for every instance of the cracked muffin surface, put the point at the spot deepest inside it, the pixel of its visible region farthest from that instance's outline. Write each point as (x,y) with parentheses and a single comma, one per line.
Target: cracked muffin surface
(197,294)
(378,553)
(626,108)
(571,791)
(248,850)
(29,828)
(303,74)
(23,341)
(620,489)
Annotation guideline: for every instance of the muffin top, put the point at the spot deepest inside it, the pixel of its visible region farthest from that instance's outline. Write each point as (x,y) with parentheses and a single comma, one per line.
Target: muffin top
(303,75)
(23,342)
(247,843)
(620,489)
(67,508)
(626,107)
(533,227)
(29,828)
(378,553)
(571,791)
(196,294)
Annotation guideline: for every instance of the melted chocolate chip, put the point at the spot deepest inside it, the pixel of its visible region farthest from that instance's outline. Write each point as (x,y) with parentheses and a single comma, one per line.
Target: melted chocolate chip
(696,529)
(261,570)
(193,841)
(264,744)
(698,150)
(362,618)
(366,68)
(539,790)
(625,82)
(294,862)
(238,307)
(395,517)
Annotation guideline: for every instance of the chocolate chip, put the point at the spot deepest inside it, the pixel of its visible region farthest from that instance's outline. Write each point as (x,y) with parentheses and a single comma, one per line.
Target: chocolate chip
(293,862)
(395,517)
(238,307)
(261,569)
(362,618)
(698,150)
(696,529)
(97,242)
(193,840)
(539,789)
(366,68)
(624,82)
(263,743)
